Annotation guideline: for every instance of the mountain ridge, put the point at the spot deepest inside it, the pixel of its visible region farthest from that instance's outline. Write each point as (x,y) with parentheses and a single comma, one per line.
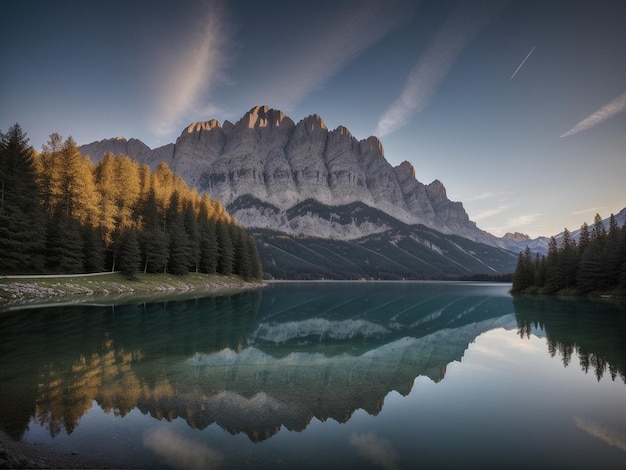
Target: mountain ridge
(268,156)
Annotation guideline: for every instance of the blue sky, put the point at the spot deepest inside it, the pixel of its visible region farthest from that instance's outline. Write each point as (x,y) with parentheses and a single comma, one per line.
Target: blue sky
(518,107)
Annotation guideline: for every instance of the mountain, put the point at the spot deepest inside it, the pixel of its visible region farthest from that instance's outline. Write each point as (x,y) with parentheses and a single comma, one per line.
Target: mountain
(306,181)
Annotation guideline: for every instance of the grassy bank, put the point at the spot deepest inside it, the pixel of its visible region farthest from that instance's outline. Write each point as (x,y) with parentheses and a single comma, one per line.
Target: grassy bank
(43,290)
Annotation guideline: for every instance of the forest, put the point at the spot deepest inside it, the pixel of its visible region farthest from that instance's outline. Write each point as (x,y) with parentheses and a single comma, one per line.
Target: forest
(593,265)
(60,213)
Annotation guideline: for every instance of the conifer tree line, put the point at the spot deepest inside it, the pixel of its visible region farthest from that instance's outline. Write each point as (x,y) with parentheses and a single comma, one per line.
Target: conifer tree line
(60,213)
(594,264)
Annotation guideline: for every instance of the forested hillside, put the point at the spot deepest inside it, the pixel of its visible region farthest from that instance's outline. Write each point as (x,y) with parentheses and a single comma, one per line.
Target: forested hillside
(596,264)
(60,213)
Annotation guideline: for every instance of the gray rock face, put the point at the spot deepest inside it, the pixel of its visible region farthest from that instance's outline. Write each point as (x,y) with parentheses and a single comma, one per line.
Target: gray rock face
(134,148)
(267,156)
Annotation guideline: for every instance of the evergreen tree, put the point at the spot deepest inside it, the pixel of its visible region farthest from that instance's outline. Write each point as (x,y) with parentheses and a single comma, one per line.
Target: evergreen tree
(611,254)
(22,222)
(598,232)
(622,257)
(129,254)
(583,238)
(242,265)
(591,274)
(552,260)
(208,239)
(190,221)
(93,250)
(256,268)
(567,263)
(179,251)
(64,251)
(225,249)
(154,240)
(540,271)
(524,275)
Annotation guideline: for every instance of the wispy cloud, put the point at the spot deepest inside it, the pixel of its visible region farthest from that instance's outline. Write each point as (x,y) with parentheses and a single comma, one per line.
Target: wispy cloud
(484,196)
(191,71)
(489,213)
(452,38)
(522,220)
(615,107)
(353,31)
(593,210)
(514,224)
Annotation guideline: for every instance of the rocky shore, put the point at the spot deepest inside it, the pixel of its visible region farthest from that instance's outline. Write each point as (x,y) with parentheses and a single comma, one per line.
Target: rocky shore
(18,292)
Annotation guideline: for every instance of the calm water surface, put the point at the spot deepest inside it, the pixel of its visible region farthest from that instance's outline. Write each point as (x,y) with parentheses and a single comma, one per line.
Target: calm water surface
(368,375)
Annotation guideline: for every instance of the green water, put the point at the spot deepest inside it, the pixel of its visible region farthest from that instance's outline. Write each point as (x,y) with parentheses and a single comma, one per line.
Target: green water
(323,374)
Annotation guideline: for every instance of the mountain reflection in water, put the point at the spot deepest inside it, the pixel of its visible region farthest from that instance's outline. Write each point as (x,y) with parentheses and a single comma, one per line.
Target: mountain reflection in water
(257,361)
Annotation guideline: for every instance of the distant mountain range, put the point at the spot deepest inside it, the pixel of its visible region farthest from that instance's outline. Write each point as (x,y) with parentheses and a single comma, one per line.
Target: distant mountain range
(304,183)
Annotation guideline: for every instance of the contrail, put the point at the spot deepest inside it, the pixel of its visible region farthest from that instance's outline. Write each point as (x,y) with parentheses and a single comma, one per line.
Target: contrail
(520,65)
(615,107)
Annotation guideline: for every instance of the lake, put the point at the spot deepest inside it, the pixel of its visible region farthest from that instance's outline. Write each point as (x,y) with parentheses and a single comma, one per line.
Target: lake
(323,374)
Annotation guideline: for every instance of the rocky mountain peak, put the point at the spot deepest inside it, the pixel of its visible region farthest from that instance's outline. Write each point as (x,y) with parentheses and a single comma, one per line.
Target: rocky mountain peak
(372,145)
(314,122)
(437,187)
(202,126)
(263,116)
(342,130)
(405,170)
(517,236)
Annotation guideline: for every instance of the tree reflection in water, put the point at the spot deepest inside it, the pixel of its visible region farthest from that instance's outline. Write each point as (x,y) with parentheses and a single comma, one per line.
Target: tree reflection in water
(593,329)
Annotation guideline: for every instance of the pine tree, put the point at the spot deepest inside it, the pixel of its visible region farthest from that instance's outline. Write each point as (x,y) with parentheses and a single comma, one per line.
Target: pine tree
(524,275)
(64,249)
(540,271)
(622,257)
(567,263)
(93,250)
(591,274)
(583,238)
(242,265)
(190,221)
(225,249)
(552,259)
(256,269)
(22,222)
(154,240)
(598,232)
(179,251)
(129,254)
(611,254)
(208,238)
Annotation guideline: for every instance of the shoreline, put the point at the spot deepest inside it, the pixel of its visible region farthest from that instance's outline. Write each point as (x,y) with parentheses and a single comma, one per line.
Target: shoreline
(109,288)
(16,454)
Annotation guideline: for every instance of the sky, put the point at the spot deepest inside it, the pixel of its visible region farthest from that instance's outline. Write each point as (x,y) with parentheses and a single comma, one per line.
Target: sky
(518,107)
